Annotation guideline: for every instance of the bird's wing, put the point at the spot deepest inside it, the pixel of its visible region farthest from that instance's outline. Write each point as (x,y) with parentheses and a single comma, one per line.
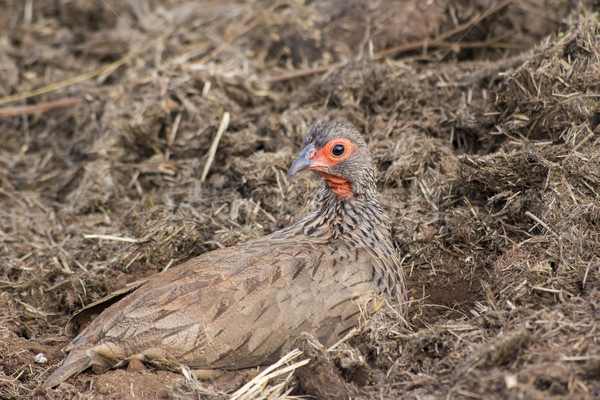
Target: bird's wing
(87,314)
(231,308)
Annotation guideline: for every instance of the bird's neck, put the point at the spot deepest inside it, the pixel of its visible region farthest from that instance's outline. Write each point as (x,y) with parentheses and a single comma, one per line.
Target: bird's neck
(352,223)
(353,217)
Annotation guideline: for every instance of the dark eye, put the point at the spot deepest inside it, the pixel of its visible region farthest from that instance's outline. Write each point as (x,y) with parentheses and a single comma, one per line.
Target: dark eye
(338,150)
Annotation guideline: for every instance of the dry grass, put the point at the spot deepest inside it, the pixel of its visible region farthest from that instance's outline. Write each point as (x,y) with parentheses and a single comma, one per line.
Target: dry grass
(488,159)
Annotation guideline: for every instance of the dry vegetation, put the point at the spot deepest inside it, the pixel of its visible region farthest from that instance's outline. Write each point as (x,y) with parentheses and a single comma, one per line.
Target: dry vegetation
(484,120)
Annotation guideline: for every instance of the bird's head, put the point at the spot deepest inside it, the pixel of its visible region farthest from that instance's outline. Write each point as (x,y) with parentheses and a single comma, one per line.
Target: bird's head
(336,151)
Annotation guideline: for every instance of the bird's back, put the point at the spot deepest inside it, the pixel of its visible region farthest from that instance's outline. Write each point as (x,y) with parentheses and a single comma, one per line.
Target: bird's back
(232,308)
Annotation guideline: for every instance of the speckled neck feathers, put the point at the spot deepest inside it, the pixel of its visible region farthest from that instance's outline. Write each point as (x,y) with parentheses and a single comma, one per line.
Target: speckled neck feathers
(352,223)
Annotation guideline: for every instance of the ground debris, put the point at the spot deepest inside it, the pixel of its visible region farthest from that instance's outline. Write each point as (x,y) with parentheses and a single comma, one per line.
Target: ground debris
(486,143)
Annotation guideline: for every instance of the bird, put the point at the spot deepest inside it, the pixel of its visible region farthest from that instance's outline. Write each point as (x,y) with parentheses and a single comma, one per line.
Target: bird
(247,305)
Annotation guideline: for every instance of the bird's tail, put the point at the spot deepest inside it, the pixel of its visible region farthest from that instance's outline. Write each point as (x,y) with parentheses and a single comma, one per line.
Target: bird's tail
(74,364)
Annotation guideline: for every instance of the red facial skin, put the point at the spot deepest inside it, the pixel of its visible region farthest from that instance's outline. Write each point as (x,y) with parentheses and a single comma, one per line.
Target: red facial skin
(324,159)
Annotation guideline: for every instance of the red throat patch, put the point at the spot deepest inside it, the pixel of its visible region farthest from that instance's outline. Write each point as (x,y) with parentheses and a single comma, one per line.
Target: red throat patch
(340,186)
(324,159)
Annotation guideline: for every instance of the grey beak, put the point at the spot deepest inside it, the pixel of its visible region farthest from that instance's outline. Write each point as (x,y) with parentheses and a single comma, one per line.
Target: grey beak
(303,161)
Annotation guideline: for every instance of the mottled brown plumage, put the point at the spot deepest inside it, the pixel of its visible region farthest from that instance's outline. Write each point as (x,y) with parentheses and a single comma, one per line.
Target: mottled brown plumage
(246,305)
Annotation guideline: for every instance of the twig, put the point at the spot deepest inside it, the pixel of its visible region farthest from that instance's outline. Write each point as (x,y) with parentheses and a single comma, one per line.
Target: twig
(108,69)
(300,73)
(585,275)
(172,134)
(38,108)
(440,41)
(585,139)
(437,42)
(215,143)
(257,383)
(493,42)
(348,336)
(111,237)
(539,221)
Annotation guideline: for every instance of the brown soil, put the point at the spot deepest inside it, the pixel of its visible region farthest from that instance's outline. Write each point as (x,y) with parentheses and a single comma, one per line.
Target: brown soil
(483,117)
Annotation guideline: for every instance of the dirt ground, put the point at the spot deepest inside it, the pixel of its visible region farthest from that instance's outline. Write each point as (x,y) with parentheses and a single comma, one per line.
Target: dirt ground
(483,117)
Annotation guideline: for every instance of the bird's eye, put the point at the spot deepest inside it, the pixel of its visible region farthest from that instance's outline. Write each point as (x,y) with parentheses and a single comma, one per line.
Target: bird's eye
(338,150)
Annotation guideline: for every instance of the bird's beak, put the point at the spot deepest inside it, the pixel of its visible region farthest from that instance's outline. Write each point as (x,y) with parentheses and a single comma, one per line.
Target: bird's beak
(305,161)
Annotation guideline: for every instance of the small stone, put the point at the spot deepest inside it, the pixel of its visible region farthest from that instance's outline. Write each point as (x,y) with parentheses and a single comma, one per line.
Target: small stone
(40,358)
(510,381)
